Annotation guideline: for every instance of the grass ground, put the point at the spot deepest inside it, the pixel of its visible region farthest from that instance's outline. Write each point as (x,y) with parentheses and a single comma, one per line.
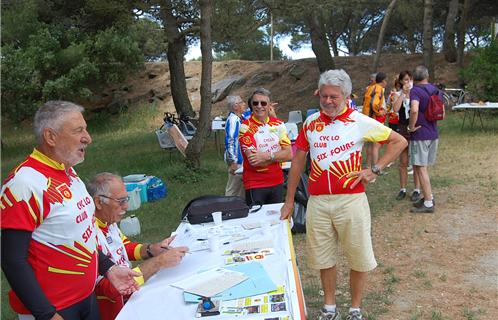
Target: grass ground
(127,145)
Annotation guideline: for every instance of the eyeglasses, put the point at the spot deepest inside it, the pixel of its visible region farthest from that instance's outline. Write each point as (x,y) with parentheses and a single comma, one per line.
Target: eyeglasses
(263,103)
(122,201)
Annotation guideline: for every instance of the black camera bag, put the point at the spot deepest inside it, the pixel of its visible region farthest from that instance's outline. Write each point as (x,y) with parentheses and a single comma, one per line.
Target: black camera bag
(199,210)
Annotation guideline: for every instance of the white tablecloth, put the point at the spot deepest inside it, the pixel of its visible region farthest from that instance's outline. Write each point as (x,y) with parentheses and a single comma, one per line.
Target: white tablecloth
(158,300)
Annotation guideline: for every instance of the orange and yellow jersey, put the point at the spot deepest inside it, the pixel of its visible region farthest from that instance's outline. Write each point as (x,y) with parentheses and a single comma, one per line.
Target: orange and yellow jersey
(269,136)
(373,101)
(42,197)
(335,149)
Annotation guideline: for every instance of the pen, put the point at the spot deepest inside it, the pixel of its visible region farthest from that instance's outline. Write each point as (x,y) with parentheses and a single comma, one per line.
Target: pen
(168,248)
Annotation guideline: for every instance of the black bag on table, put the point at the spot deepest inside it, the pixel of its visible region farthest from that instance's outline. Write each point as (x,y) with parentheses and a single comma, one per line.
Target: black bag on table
(199,209)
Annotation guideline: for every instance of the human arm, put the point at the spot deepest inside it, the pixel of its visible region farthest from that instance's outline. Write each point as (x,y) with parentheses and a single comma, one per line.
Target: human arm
(20,275)
(395,144)
(165,259)
(232,139)
(272,112)
(261,159)
(414,107)
(294,176)
(155,248)
(398,100)
(378,107)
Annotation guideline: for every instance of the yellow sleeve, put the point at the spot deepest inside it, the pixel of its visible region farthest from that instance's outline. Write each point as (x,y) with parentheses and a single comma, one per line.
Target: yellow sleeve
(140,280)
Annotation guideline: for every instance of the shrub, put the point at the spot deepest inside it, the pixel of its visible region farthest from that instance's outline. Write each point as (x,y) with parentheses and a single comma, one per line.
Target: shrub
(482,73)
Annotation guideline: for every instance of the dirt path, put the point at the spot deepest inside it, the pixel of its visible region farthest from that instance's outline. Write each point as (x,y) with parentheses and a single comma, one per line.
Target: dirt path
(446,263)
(433,266)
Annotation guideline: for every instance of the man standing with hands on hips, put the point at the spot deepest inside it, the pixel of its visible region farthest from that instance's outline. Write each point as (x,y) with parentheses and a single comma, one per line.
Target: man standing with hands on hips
(338,210)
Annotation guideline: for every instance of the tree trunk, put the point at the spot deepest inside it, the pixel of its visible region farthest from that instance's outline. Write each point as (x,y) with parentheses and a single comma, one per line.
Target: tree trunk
(462,29)
(319,43)
(176,51)
(412,43)
(428,48)
(197,143)
(449,48)
(380,41)
(333,43)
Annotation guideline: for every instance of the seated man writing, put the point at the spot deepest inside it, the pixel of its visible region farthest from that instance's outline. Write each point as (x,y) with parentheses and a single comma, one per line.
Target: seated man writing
(111,201)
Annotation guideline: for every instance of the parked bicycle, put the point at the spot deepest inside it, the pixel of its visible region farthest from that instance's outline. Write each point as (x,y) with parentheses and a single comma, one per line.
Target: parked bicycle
(184,123)
(453,96)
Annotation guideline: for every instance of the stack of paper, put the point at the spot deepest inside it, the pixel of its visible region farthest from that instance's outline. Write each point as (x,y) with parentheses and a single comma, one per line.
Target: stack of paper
(258,282)
(210,283)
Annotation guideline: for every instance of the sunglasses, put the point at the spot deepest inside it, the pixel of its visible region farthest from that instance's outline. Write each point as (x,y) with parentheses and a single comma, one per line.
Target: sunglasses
(122,201)
(263,103)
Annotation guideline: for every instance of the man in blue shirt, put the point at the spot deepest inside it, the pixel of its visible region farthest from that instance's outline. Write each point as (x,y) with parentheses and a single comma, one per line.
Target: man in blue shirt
(233,155)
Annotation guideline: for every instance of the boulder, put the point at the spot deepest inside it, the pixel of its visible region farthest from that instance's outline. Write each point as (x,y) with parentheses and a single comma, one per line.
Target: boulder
(222,88)
(297,71)
(263,78)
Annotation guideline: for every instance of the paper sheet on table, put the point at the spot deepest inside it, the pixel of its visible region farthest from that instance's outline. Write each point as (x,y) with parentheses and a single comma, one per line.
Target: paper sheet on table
(259,282)
(252,245)
(211,282)
(185,236)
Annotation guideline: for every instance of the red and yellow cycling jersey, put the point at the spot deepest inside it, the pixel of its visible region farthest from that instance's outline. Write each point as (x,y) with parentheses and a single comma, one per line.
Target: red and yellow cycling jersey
(42,197)
(335,149)
(269,136)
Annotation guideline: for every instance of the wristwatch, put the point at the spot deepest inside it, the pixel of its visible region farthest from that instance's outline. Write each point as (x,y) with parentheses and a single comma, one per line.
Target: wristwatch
(375,169)
(272,156)
(149,252)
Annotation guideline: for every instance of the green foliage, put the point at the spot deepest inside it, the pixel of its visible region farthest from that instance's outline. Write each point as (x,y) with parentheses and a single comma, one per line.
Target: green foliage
(482,73)
(150,37)
(51,51)
(114,54)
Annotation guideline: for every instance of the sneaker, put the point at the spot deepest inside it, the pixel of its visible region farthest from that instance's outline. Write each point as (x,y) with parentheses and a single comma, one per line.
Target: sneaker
(423,209)
(415,196)
(354,315)
(420,202)
(327,315)
(401,195)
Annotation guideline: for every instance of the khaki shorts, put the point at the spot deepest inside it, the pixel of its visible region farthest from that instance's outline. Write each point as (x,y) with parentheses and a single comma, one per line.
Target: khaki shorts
(423,152)
(235,186)
(339,218)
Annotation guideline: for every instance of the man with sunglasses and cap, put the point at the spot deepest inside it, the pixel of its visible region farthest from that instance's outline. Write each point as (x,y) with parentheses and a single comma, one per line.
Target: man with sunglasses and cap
(265,144)
(111,202)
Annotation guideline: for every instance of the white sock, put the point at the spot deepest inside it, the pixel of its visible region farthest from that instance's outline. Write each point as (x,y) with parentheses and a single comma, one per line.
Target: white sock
(330,307)
(428,204)
(416,190)
(354,309)
(402,189)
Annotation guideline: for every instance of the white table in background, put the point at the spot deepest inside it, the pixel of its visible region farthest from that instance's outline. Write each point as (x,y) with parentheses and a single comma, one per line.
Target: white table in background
(158,300)
(476,109)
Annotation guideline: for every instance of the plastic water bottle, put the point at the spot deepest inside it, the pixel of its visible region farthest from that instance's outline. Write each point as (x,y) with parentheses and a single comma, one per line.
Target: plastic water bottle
(130,226)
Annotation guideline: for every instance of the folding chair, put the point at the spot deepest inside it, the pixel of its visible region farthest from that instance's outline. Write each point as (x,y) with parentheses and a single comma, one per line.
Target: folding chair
(295,117)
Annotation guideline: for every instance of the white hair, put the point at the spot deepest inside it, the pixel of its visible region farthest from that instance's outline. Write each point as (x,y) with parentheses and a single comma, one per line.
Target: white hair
(51,114)
(232,101)
(99,185)
(337,78)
